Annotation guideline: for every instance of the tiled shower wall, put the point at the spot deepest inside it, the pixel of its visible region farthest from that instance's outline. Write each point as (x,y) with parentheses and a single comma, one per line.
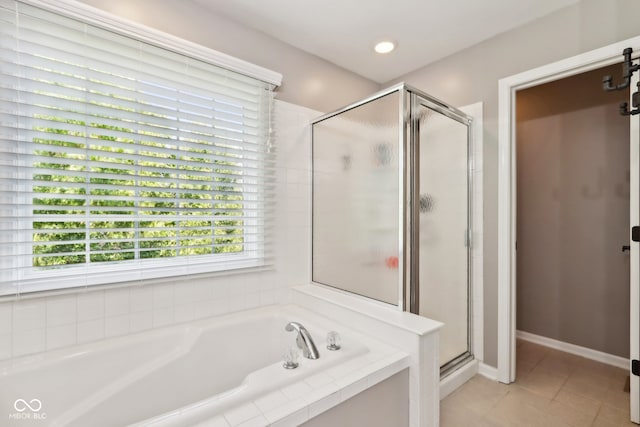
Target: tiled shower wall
(33,324)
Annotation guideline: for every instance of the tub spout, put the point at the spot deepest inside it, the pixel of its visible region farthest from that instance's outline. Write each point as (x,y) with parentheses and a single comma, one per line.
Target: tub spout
(304,340)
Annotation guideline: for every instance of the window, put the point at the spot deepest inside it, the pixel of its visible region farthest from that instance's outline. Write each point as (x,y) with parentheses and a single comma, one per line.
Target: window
(121,160)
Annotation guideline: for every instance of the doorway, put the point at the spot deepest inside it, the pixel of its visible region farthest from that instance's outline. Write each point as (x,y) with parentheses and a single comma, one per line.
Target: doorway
(507,203)
(572,168)
(572,209)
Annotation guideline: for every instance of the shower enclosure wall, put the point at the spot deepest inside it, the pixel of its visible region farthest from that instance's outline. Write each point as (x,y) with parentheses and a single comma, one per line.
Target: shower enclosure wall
(391,208)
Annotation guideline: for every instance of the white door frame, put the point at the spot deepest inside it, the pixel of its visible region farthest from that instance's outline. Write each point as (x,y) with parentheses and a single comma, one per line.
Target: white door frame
(634,254)
(507,88)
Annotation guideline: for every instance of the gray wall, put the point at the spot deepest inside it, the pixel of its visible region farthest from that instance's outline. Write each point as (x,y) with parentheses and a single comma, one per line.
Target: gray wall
(307,80)
(472,75)
(573,279)
(384,405)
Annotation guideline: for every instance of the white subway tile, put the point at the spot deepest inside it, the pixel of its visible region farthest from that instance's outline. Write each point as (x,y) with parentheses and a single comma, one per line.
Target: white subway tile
(203,309)
(6,318)
(236,303)
(352,389)
(184,313)
(221,288)
(90,306)
(241,413)
(297,390)
(235,285)
(271,401)
(258,421)
(141,299)
(268,297)
(293,420)
(162,296)
(321,405)
(214,422)
(318,380)
(28,342)
(141,321)
(252,300)
(253,283)
(162,317)
(5,346)
(91,330)
(61,336)
(185,293)
(29,315)
(202,291)
(293,413)
(61,310)
(117,325)
(116,302)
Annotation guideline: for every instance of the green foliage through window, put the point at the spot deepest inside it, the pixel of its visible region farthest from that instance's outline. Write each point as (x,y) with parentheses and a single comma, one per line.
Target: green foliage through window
(102,196)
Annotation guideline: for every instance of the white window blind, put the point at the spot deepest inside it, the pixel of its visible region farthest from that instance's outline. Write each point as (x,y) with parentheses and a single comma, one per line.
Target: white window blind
(122,161)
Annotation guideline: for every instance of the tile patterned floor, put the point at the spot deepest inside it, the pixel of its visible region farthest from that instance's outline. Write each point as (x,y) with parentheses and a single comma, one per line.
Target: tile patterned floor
(553,389)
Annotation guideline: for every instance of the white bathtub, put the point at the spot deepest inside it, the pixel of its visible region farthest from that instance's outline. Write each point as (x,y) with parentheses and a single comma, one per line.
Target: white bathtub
(180,375)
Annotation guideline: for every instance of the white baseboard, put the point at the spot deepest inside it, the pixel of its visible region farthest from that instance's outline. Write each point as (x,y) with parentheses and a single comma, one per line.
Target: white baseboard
(460,376)
(488,371)
(598,356)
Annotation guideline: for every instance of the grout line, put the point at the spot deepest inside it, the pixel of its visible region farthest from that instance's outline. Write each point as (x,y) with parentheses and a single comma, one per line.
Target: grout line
(561,387)
(597,414)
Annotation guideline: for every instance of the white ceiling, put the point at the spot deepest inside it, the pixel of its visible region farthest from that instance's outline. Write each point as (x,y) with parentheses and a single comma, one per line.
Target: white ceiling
(344,31)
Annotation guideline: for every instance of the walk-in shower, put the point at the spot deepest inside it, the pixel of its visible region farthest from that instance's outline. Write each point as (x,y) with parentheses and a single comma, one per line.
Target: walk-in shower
(391,208)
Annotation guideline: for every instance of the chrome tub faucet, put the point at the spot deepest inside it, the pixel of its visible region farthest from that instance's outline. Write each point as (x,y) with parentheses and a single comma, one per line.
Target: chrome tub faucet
(304,340)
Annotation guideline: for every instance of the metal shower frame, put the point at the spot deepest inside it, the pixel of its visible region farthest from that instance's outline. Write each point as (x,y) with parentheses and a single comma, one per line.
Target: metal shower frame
(410,99)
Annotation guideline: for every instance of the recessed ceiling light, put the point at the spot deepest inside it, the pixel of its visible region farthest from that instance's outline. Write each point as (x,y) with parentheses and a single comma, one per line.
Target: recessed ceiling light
(385,46)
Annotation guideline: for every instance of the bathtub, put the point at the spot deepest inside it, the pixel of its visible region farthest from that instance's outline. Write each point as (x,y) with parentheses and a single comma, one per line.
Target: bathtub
(175,376)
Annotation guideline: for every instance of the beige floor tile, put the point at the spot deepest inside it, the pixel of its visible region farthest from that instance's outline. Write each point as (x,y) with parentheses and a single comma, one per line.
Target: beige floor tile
(542,383)
(601,422)
(530,354)
(553,389)
(457,416)
(615,415)
(555,363)
(478,395)
(614,376)
(529,397)
(512,411)
(569,415)
(588,384)
(524,369)
(617,398)
(577,402)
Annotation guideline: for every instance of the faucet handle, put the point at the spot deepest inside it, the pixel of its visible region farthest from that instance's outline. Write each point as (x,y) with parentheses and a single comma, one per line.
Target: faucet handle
(291,358)
(333,341)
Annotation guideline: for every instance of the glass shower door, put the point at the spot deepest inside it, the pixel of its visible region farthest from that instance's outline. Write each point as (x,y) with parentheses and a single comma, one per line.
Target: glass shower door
(443,221)
(356,193)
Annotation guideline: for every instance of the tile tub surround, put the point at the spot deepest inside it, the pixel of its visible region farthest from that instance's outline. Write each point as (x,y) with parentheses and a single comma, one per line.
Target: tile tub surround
(305,399)
(32,325)
(248,390)
(37,323)
(417,336)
